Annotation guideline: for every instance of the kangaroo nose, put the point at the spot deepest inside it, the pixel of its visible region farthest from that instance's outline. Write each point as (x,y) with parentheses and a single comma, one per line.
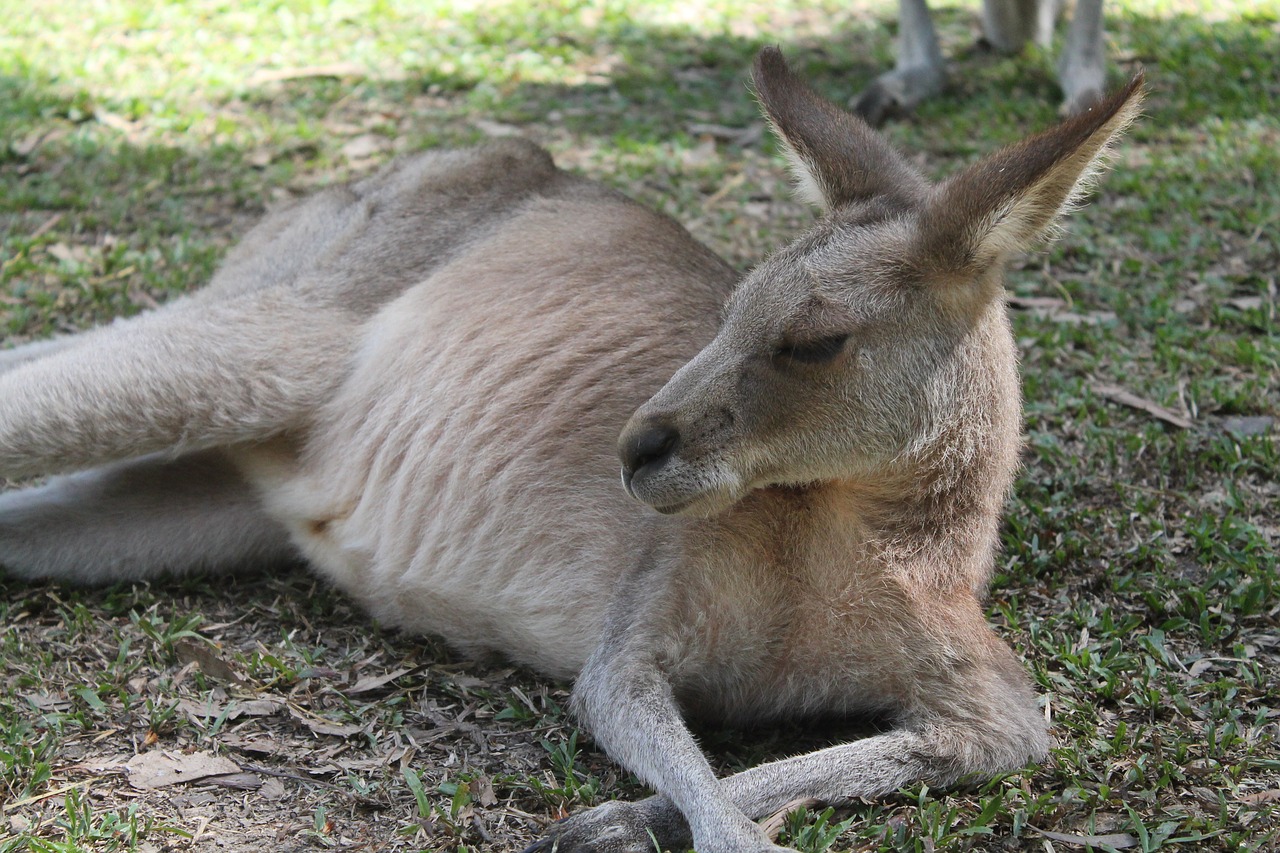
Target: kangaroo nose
(651,445)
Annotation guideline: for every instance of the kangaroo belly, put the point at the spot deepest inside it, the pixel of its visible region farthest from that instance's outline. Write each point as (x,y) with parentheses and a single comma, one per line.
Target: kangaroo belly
(464,481)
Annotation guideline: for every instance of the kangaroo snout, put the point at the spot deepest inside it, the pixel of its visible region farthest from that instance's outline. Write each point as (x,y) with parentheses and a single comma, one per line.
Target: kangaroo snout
(645,445)
(676,463)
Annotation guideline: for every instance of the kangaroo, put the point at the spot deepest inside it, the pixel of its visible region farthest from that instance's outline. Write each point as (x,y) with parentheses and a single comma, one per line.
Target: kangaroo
(417,381)
(1007,25)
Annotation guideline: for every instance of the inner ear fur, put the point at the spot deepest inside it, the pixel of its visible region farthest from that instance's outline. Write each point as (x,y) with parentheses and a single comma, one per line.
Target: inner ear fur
(836,157)
(1013,198)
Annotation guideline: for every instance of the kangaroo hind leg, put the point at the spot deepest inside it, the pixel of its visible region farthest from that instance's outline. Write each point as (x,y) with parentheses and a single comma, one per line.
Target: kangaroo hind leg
(198,374)
(138,519)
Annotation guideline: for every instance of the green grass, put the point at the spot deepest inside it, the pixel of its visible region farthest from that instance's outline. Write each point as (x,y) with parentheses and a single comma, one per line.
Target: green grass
(138,140)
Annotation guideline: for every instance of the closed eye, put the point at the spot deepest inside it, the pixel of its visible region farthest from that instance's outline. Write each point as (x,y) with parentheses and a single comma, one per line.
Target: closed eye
(817,351)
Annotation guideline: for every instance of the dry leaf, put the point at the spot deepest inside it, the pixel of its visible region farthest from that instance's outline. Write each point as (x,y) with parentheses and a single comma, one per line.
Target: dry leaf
(1261,798)
(47,226)
(1200,667)
(257,746)
(208,659)
(1118,840)
(1040,305)
(322,726)
(772,825)
(64,253)
(1092,318)
(28,144)
(496,129)
(272,789)
(159,769)
(1246,303)
(45,702)
(741,136)
(363,146)
(238,781)
(1248,425)
(336,69)
(234,710)
(373,682)
(256,708)
(702,154)
(482,791)
(1116,394)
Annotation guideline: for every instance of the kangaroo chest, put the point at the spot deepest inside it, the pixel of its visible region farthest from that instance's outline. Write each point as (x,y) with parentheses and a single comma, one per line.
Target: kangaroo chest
(783,626)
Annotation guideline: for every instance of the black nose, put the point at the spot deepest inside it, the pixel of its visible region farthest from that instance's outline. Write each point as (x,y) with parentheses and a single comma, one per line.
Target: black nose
(652,445)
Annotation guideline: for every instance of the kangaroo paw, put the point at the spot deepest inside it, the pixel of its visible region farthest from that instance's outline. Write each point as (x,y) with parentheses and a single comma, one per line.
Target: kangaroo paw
(614,827)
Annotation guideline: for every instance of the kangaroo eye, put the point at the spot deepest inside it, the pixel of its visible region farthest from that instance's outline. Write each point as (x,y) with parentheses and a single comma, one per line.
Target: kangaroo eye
(820,351)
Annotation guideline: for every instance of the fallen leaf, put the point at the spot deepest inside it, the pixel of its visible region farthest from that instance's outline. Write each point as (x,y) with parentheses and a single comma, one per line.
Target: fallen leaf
(1093,318)
(45,702)
(336,69)
(1116,394)
(363,146)
(741,136)
(257,708)
(1200,667)
(1261,798)
(1118,840)
(238,781)
(1038,304)
(64,253)
(496,129)
(234,710)
(323,726)
(257,746)
(373,682)
(159,769)
(772,825)
(1246,303)
(1244,426)
(702,154)
(207,658)
(482,791)
(47,226)
(28,144)
(272,789)
(116,122)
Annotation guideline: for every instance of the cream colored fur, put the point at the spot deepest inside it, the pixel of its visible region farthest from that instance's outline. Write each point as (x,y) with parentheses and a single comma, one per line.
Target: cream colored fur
(417,383)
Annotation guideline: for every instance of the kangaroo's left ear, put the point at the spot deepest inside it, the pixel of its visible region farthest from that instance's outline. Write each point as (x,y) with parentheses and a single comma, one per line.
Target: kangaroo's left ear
(1008,201)
(836,158)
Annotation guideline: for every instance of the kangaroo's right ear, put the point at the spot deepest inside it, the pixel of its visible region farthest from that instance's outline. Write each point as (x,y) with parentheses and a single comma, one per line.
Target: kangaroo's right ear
(1006,202)
(836,158)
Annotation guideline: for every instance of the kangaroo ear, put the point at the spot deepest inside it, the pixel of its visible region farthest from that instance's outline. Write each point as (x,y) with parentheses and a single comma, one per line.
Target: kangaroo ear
(1013,198)
(836,158)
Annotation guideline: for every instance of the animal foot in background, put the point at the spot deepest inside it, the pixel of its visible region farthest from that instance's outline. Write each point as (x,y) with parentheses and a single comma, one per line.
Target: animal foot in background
(896,93)
(614,827)
(1080,101)
(876,104)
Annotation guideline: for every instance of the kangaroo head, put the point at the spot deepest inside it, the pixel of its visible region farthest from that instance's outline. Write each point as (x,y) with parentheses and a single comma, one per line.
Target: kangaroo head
(867,338)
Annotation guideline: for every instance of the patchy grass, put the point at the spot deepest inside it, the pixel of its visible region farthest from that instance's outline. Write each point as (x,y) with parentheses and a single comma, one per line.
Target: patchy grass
(138,140)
